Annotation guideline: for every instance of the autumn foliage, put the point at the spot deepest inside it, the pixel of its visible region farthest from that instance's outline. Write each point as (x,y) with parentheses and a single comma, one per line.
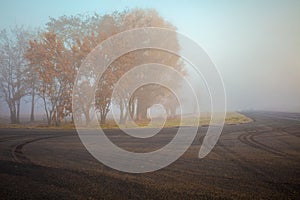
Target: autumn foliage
(55,54)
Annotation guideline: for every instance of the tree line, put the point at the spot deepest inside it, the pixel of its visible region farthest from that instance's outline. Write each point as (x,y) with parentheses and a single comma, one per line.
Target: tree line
(44,63)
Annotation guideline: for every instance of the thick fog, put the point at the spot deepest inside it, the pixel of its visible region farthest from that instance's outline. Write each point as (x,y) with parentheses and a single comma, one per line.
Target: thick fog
(255,45)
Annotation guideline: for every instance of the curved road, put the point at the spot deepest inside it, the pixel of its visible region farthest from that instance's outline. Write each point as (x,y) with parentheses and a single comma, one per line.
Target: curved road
(258,160)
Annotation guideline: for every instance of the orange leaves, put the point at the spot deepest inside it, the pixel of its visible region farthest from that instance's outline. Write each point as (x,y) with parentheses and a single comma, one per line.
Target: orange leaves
(60,51)
(55,71)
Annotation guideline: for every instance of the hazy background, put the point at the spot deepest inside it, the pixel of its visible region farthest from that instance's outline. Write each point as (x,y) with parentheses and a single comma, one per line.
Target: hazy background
(254,44)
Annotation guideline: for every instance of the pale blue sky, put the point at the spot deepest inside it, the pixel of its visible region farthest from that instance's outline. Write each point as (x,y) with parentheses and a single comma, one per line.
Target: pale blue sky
(255,44)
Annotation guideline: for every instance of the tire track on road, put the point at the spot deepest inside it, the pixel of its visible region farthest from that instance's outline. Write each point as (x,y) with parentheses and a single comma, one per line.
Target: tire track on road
(248,138)
(296,134)
(250,168)
(17,150)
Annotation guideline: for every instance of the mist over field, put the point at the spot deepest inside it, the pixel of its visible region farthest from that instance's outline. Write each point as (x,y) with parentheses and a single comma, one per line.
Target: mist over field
(255,45)
(140,99)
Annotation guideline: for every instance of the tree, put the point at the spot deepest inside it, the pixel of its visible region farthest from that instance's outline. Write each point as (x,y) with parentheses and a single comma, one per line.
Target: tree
(33,77)
(79,52)
(106,26)
(14,69)
(103,99)
(146,96)
(55,73)
(57,55)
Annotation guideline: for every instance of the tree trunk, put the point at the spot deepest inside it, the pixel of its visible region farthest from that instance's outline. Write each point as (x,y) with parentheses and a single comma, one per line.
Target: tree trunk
(87,117)
(48,115)
(18,112)
(49,119)
(141,109)
(126,116)
(32,105)
(13,117)
(72,118)
(121,120)
(13,114)
(131,107)
(103,117)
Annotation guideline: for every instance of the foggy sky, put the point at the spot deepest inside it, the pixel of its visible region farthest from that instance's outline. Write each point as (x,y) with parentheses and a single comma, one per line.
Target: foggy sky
(254,44)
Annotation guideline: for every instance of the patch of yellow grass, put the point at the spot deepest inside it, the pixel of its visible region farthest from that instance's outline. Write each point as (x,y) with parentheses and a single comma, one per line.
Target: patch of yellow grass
(236,118)
(231,118)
